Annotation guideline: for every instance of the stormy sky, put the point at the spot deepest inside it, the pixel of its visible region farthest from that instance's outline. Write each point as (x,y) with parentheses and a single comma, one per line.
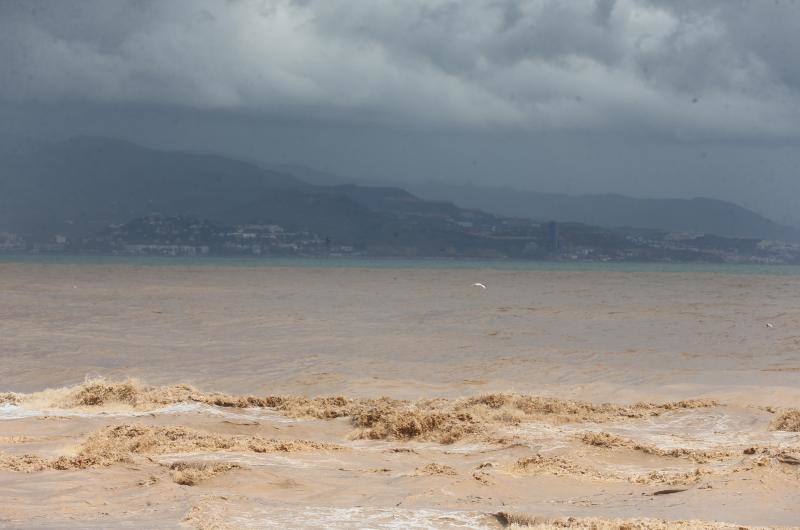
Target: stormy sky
(657,98)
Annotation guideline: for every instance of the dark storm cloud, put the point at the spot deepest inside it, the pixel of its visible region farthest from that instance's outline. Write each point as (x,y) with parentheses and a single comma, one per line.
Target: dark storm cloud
(642,97)
(696,68)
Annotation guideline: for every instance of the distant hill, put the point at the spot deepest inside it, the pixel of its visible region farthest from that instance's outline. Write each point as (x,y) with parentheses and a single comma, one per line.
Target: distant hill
(703,215)
(86,183)
(105,194)
(315,176)
(81,186)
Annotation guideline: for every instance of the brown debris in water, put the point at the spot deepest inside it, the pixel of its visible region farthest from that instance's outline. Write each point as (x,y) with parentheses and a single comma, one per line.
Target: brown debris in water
(202,517)
(539,464)
(23,463)
(193,473)
(435,469)
(376,419)
(119,443)
(610,441)
(447,421)
(785,457)
(523,520)
(604,439)
(672,479)
(297,406)
(788,420)
(401,450)
(9,398)
(441,420)
(409,422)
(509,407)
(99,392)
(554,465)
(19,439)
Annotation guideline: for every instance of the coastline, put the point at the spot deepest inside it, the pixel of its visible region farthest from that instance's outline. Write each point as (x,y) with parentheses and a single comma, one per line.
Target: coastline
(406,263)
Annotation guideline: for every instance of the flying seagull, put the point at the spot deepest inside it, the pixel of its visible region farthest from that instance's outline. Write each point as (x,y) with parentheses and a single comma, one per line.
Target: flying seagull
(479,285)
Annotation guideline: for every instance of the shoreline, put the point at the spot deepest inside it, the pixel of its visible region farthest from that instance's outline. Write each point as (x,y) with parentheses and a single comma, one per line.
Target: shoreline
(400,263)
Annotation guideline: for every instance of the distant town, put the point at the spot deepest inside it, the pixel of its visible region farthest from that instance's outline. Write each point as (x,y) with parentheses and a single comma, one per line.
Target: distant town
(481,236)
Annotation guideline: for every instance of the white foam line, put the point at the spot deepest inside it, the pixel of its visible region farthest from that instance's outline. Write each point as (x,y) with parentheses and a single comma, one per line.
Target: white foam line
(381,446)
(17,412)
(348,518)
(254,460)
(706,431)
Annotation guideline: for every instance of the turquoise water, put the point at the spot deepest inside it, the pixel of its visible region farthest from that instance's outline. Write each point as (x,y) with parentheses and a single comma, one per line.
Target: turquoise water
(372,263)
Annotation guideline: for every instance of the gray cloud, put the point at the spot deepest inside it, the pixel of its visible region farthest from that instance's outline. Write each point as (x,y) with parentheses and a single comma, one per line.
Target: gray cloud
(533,65)
(643,97)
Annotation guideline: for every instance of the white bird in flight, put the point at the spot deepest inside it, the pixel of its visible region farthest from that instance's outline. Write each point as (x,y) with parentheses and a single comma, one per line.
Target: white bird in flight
(479,285)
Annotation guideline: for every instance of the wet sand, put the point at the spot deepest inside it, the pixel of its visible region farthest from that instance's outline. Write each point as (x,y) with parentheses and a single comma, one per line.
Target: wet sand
(494,398)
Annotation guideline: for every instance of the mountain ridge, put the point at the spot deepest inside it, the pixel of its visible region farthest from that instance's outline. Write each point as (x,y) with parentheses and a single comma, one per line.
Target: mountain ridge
(608,210)
(699,214)
(80,186)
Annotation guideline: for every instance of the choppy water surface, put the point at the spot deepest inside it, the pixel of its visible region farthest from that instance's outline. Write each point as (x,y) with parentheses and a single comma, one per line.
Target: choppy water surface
(413,331)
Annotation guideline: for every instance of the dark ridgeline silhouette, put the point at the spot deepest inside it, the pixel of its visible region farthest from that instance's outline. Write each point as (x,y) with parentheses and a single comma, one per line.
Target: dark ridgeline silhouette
(102,195)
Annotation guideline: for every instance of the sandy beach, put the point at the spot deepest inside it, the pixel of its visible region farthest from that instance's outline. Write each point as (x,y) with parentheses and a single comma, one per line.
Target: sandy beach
(208,396)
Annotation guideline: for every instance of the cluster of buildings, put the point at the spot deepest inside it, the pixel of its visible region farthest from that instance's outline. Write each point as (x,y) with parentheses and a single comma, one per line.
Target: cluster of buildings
(158,235)
(11,242)
(710,248)
(182,236)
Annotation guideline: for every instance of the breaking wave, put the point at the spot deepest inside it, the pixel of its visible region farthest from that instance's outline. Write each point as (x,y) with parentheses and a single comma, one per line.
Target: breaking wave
(440,420)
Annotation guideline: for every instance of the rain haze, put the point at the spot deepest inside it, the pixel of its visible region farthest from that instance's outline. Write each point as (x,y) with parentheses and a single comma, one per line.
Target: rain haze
(637,97)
